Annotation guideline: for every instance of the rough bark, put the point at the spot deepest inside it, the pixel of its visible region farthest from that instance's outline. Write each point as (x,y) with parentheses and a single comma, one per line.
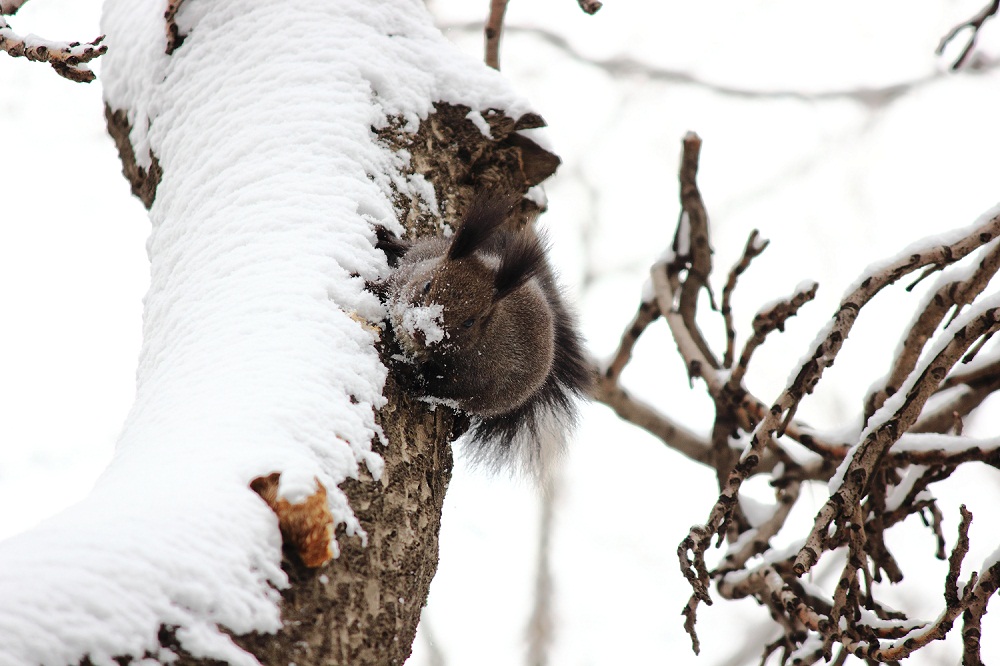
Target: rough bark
(363,607)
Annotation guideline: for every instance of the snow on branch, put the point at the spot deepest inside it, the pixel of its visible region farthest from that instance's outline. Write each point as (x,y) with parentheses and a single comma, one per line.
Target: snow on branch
(910,438)
(254,450)
(69,59)
(174,36)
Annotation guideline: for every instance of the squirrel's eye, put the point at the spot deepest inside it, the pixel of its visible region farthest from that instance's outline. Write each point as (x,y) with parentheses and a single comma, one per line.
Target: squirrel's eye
(469,322)
(427,286)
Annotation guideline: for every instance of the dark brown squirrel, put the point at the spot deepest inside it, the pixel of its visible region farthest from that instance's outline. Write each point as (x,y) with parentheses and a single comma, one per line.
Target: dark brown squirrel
(482,321)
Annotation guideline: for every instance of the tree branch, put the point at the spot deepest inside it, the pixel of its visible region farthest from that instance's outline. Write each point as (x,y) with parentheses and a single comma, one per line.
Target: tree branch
(68,59)
(883,433)
(974,24)
(492,32)
(753,248)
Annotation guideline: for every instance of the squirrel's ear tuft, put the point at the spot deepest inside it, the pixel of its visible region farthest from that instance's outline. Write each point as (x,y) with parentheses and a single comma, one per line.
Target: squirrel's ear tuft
(523,258)
(484,216)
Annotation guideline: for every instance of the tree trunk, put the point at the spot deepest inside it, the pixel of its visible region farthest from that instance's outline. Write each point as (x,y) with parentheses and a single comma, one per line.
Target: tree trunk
(242,165)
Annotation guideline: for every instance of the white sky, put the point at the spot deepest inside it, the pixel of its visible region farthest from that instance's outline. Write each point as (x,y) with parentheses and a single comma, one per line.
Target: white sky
(835,185)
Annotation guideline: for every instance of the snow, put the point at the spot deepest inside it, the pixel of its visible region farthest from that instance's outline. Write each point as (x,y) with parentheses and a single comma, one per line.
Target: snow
(536,195)
(936,346)
(895,402)
(425,319)
(258,333)
(480,123)
(896,495)
(757,513)
(925,244)
(928,441)
(821,335)
(683,240)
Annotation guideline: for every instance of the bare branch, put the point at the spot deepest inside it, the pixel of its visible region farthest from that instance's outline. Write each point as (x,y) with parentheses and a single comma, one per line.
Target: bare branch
(10,7)
(871,98)
(648,312)
(844,506)
(881,477)
(767,321)
(955,604)
(493,31)
(691,251)
(753,248)
(607,390)
(974,24)
(639,413)
(69,59)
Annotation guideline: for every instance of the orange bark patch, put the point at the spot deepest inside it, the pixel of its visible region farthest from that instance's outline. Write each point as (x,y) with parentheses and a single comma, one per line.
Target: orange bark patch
(306,527)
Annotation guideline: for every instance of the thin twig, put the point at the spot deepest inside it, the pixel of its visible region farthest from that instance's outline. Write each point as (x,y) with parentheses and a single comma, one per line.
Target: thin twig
(753,248)
(936,253)
(692,252)
(951,295)
(493,31)
(69,59)
(638,413)
(975,24)
(871,451)
(759,540)
(648,312)
(872,98)
(767,321)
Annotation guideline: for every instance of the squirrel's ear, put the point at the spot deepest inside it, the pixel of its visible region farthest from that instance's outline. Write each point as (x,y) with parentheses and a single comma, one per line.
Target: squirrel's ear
(523,258)
(483,217)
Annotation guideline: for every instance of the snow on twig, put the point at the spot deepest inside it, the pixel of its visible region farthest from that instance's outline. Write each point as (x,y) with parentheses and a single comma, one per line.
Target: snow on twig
(69,59)
(880,471)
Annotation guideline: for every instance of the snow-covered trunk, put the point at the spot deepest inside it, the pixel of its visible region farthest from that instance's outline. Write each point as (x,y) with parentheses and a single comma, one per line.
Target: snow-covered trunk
(268,141)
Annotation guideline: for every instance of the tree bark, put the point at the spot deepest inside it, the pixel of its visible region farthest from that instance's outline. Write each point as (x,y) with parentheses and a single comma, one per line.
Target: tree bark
(363,607)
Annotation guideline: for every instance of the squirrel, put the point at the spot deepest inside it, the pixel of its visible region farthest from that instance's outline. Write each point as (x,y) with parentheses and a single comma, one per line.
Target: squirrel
(484,327)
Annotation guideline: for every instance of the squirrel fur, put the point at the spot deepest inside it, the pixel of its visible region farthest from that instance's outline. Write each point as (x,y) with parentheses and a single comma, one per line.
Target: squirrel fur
(483,324)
